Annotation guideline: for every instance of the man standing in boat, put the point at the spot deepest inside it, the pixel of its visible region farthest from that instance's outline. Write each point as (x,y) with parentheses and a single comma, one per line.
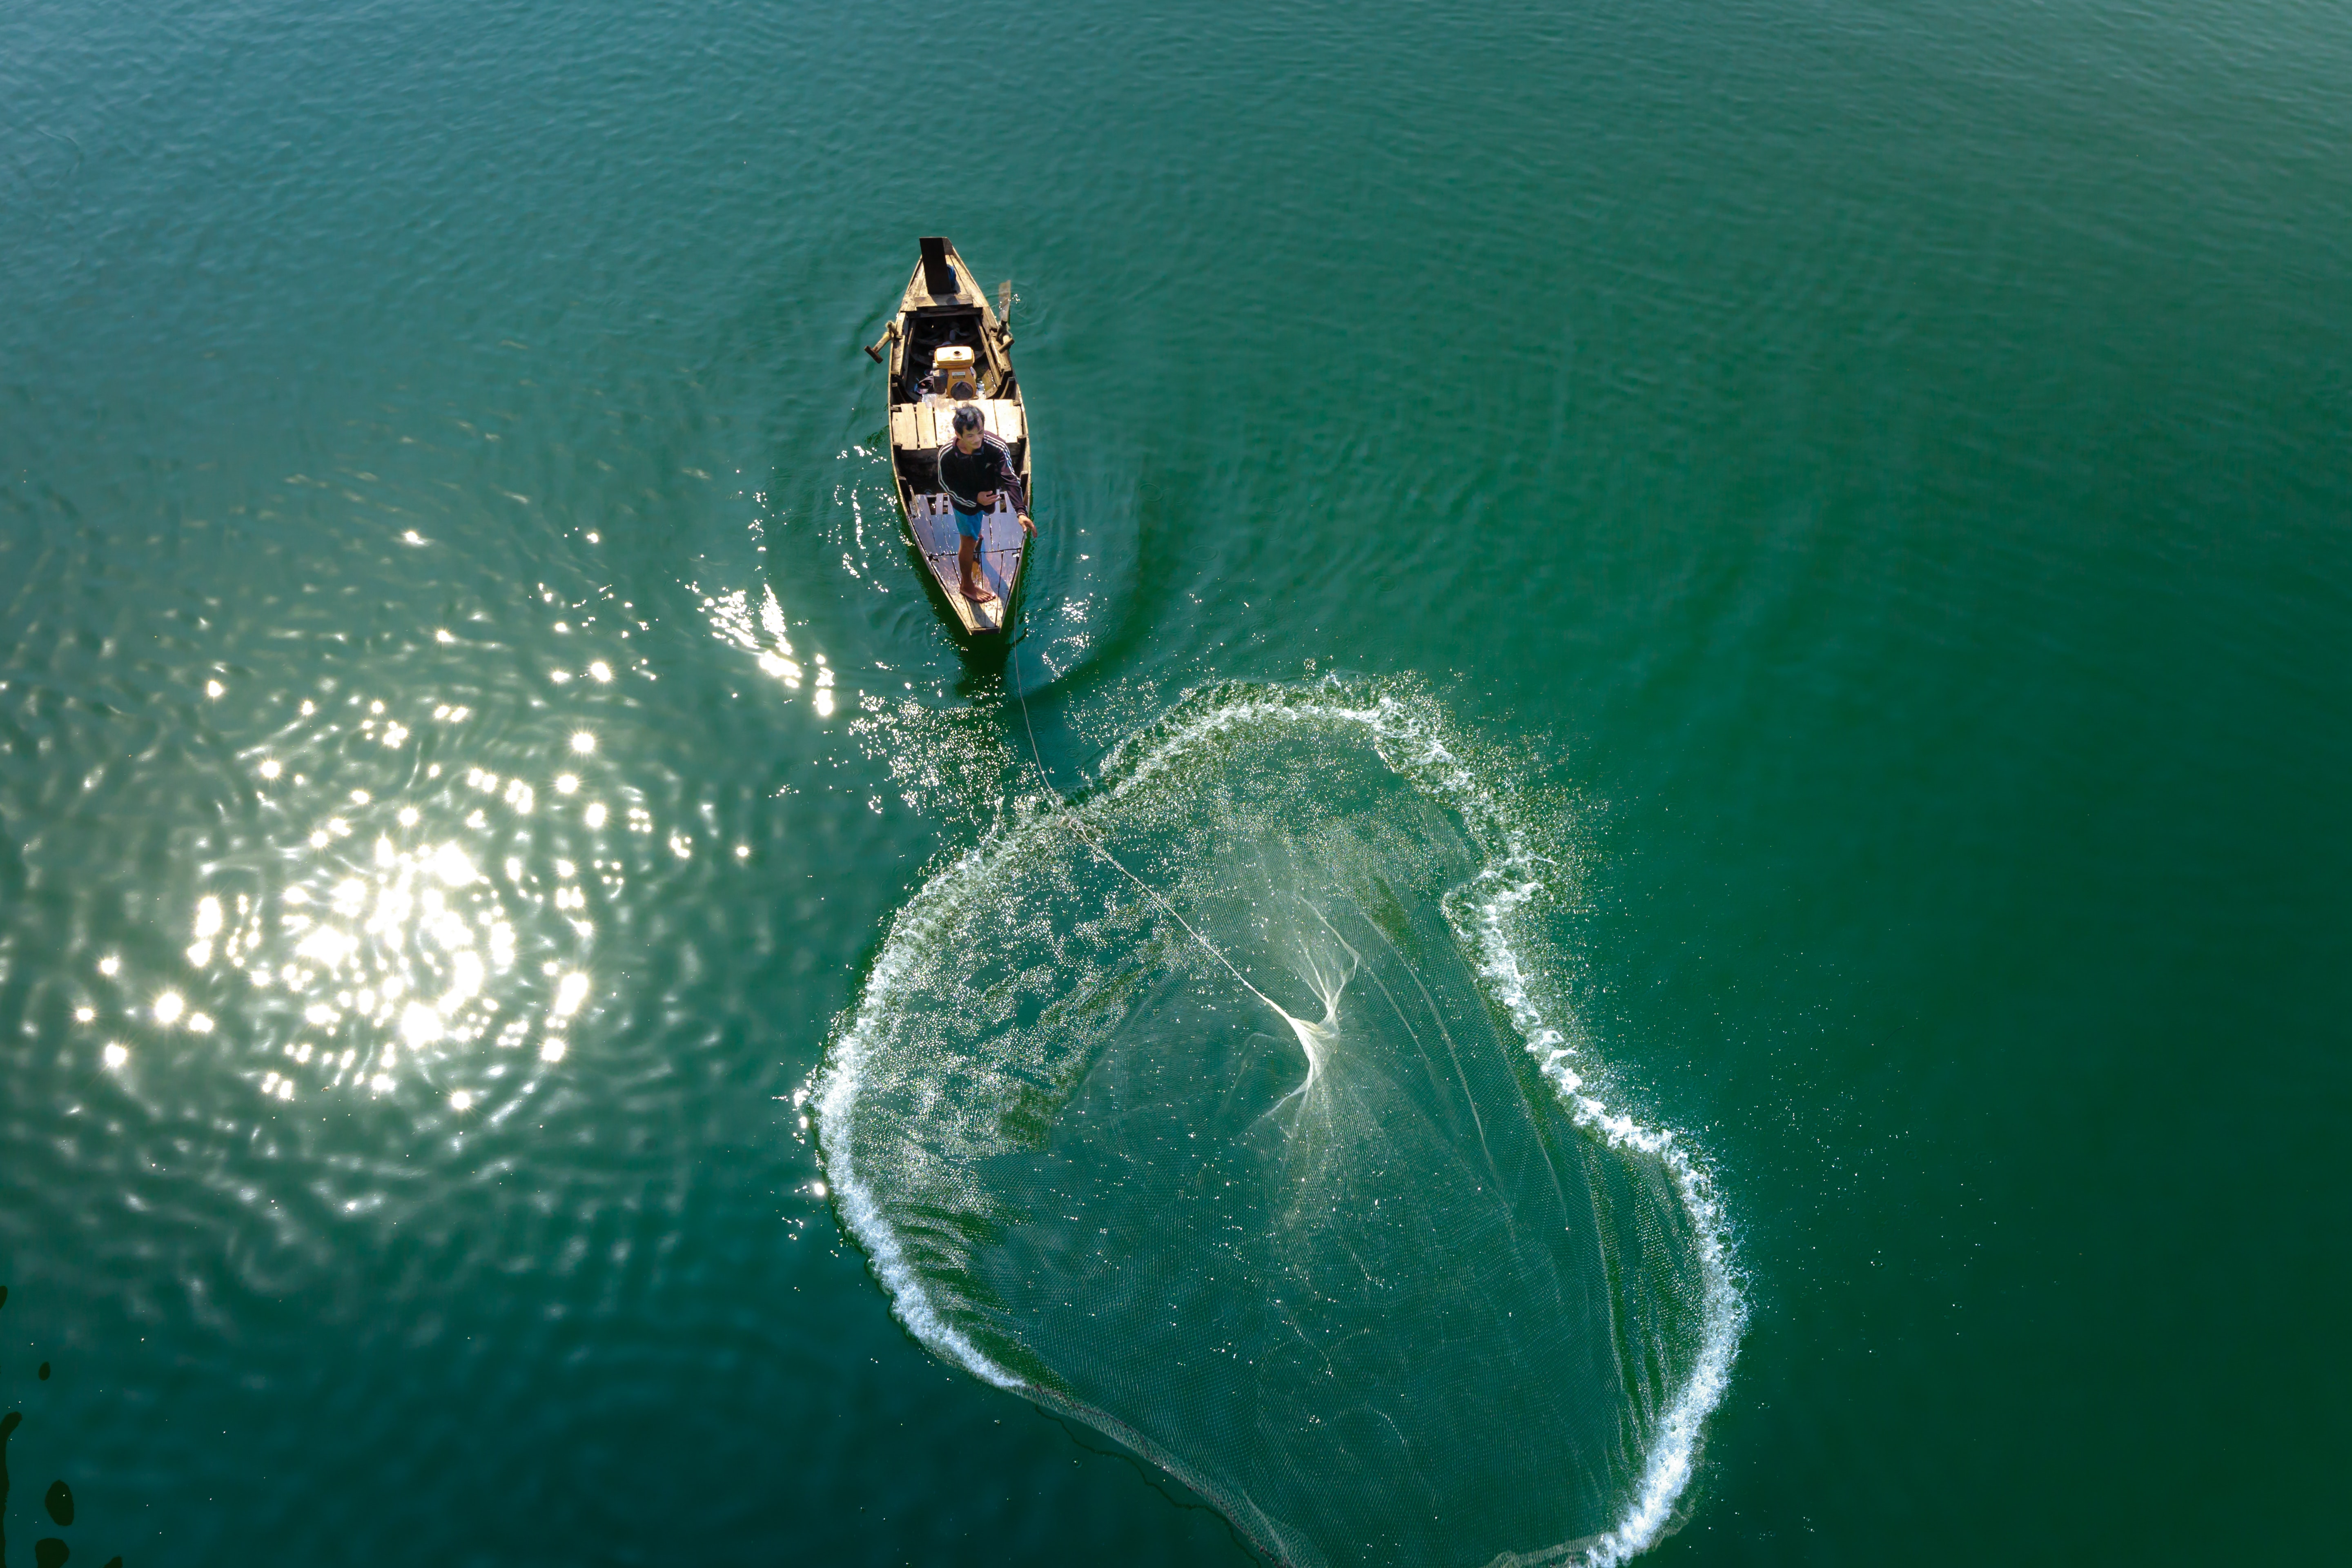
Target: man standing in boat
(972,469)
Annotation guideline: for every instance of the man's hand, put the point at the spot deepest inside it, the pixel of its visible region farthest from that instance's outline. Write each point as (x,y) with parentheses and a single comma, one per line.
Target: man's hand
(988,501)
(1028,527)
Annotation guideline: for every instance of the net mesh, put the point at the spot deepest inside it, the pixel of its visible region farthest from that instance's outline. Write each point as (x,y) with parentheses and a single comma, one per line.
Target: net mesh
(1277,1177)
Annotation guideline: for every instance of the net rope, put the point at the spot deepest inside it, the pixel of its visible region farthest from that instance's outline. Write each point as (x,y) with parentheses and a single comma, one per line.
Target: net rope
(1054,799)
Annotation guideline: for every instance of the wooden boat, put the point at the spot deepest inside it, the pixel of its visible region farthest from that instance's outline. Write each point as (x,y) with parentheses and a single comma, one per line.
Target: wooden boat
(944,307)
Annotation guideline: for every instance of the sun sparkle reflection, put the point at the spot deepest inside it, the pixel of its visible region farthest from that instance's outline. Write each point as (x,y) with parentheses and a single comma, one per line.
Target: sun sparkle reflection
(374,949)
(764,634)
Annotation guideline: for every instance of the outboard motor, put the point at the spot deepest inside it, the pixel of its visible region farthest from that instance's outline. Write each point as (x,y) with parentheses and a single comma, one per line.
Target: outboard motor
(954,373)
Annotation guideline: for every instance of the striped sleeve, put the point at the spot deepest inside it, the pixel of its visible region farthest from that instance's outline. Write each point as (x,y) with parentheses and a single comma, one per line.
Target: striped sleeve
(1010,473)
(947,484)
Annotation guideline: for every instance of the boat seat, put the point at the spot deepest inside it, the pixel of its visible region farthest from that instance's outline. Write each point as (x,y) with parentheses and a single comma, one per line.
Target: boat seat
(931,425)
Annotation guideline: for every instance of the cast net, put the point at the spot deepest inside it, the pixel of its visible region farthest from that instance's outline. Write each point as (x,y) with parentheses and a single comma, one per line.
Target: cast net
(1262,1159)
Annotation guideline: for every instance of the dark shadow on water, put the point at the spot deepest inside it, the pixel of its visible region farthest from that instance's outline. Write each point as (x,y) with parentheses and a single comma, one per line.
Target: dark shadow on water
(49,1551)
(981,679)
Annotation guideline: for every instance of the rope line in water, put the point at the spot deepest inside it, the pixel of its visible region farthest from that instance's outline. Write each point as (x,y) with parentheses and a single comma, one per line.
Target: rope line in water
(1112,860)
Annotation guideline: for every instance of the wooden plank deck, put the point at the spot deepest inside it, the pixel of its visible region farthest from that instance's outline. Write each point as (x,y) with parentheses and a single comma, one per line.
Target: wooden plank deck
(931,425)
(1002,543)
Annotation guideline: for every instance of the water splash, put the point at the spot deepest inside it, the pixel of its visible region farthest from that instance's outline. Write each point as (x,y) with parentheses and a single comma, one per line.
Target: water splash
(1490,916)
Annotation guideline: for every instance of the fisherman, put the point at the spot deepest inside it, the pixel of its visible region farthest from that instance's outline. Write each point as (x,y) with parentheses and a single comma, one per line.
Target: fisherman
(972,469)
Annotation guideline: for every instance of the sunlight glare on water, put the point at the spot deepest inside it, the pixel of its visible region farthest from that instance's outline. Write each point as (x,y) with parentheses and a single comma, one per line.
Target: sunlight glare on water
(430,933)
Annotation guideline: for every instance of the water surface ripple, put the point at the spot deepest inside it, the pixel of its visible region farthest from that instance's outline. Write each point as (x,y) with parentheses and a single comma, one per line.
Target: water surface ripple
(466,719)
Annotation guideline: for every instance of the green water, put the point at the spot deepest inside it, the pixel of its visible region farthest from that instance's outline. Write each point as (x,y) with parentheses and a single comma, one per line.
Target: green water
(1880,471)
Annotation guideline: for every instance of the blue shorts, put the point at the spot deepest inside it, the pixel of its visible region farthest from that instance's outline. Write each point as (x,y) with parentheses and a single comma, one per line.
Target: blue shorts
(967,522)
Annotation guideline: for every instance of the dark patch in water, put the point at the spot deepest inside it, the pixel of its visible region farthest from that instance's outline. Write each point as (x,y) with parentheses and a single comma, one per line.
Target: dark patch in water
(50,1551)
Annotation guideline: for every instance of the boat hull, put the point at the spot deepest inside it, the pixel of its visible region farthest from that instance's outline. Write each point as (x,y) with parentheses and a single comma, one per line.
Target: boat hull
(943,303)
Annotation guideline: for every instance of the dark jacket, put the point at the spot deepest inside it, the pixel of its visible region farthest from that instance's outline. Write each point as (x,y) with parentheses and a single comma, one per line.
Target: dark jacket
(963,475)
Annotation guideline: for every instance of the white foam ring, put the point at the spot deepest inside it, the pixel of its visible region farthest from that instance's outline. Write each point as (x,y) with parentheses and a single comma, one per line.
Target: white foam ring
(1407,734)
